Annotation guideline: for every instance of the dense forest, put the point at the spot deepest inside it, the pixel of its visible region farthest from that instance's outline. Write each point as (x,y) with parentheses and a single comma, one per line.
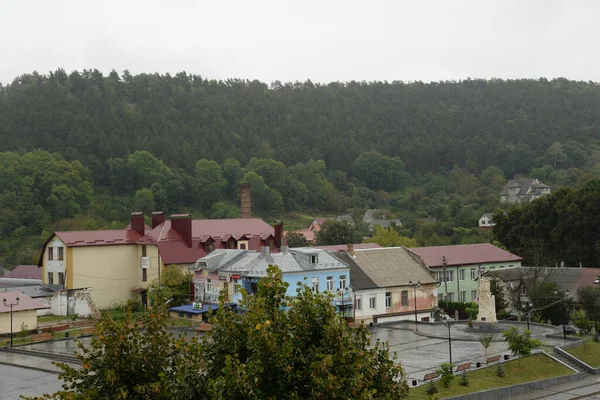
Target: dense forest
(83,150)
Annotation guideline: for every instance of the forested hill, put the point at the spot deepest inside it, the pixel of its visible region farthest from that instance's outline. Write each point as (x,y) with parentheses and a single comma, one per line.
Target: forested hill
(183,118)
(82,151)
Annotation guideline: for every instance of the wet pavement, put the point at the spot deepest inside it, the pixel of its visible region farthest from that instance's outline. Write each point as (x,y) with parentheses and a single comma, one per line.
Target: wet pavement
(423,351)
(16,381)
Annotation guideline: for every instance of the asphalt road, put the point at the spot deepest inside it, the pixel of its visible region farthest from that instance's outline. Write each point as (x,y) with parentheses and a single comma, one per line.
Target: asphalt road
(15,381)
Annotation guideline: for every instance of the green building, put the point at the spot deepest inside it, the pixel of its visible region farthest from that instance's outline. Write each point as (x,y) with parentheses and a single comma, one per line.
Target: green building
(456,267)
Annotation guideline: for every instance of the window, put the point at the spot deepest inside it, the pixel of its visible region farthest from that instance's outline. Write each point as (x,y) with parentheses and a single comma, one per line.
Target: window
(50,278)
(372,302)
(358,303)
(330,283)
(50,253)
(342,282)
(473,295)
(313,259)
(388,300)
(243,246)
(143,251)
(144,275)
(461,274)
(404,298)
(439,276)
(315,285)
(61,278)
(209,247)
(450,276)
(447,277)
(235,286)
(462,296)
(450,296)
(511,265)
(473,274)
(60,253)
(483,222)
(492,268)
(502,266)
(523,290)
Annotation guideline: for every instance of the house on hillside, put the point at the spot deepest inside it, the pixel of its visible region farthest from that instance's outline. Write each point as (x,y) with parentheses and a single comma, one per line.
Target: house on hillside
(377,217)
(523,190)
(310,233)
(314,267)
(119,265)
(486,221)
(389,285)
(457,267)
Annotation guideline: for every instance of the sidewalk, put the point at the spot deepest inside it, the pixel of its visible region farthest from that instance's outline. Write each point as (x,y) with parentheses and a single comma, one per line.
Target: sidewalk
(30,362)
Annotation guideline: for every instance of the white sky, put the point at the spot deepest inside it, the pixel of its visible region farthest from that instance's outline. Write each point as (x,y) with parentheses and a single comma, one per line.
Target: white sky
(327,40)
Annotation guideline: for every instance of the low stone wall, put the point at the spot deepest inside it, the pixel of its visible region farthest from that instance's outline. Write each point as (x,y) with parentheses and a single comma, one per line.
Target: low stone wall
(505,392)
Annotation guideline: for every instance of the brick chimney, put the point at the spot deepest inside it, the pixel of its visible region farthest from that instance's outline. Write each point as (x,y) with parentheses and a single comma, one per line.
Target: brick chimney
(182,224)
(351,250)
(158,217)
(137,222)
(278,233)
(245,201)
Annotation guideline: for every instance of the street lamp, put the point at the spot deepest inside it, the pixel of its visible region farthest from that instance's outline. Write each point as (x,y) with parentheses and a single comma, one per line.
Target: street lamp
(415,286)
(448,323)
(11,305)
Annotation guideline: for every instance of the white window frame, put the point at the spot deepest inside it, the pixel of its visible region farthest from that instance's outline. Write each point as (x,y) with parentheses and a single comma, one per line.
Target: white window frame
(473,273)
(450,297)
(313,259)
(462,296)
(358,303)
(461,274)
(343,282)
(388,299)
(235,285)
(473,295)
(330,283)
(373,302)
(403,297)
(315,285)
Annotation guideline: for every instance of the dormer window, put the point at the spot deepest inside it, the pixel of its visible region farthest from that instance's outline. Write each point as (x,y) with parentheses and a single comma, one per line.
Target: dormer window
(312,258)
(208,247)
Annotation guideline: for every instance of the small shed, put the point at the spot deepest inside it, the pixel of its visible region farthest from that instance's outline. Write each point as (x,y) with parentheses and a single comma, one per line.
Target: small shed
(24,311)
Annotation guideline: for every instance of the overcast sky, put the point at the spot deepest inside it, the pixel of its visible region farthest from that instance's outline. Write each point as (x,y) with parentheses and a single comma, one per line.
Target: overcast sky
(322,40)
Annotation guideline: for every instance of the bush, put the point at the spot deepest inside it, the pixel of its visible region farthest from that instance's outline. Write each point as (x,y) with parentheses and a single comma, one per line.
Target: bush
(465,310)
(500,370)
(464,381)
(580,320)
(446,376)
(597,337)
(431,388)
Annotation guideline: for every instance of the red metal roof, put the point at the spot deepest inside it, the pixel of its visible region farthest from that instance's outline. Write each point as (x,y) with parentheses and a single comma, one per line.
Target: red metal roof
(98,238)
(25,302)
(25,272)
(464,254)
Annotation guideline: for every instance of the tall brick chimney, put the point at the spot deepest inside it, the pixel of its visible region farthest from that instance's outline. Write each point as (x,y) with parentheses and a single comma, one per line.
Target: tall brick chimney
(158,217)
(278,233)
(137,222)
(182,224)
(245,201)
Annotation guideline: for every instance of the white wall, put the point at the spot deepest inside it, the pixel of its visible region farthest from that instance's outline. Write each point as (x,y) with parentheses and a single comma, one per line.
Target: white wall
(59,303)
(366,313)
(55,265)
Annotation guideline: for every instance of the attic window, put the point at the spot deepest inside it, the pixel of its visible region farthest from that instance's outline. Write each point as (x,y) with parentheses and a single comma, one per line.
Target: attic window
(312,258)
(208,247)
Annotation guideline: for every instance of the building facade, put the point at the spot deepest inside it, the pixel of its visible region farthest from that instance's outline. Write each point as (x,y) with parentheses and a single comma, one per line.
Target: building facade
(457,267)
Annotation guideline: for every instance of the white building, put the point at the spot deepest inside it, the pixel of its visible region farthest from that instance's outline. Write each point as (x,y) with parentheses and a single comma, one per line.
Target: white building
(486,221)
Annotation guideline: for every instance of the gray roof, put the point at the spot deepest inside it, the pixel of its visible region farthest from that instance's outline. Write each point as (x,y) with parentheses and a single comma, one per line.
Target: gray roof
(488,215)
(345,217)
(523,184)
(255,264)
(385,267)
(34,291)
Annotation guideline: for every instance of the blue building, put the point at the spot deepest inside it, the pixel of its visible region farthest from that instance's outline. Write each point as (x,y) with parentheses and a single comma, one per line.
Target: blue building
(316,268)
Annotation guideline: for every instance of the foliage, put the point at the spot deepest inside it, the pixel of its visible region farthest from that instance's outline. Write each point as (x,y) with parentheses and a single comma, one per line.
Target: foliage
(580,320)
(596,337)
(24,331)
(520,343)
(446,376)
(337,232)
(485,342)
(498,293)
(500,370)
(464,381)
(295,239)
(546,297)
(555,228)
(305,352)
(589,297)
(432,388)
(173,284)
(390,237)
(465,309)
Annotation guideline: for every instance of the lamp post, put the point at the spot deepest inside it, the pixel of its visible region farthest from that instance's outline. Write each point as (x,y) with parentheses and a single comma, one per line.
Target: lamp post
(415,286)
(448,323)
(11,305)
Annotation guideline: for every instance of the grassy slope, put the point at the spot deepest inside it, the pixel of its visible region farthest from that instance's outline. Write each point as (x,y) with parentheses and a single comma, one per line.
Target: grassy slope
(532,368)
(588,352)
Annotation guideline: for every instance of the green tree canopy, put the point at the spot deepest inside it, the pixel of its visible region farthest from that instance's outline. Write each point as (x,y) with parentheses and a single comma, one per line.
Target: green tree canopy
(390,237)
(337,232)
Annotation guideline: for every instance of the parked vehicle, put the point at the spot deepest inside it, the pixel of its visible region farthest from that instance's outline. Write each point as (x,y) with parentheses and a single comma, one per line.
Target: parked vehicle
(573,330)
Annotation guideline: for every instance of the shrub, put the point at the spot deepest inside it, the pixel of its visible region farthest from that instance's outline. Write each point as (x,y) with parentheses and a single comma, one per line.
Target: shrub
(597,337)
(431,388)
(464,381)
(446,376)
(500,370)
(24,330)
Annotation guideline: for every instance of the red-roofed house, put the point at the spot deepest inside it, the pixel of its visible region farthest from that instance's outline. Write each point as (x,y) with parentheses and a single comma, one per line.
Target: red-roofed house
(24,311)
(25,272)
(121,264)
(457,267)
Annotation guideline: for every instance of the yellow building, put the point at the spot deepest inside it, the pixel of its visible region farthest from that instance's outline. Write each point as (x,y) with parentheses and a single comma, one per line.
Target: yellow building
(119,265)
(24,312)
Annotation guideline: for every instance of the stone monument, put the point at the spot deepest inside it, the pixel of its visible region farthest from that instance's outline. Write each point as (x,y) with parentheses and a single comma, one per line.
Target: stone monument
(487,302)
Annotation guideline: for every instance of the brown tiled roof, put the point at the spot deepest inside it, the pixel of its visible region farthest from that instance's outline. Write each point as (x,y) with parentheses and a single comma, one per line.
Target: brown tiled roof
(25,302)
(464,254)
(344,247)
(25,272)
